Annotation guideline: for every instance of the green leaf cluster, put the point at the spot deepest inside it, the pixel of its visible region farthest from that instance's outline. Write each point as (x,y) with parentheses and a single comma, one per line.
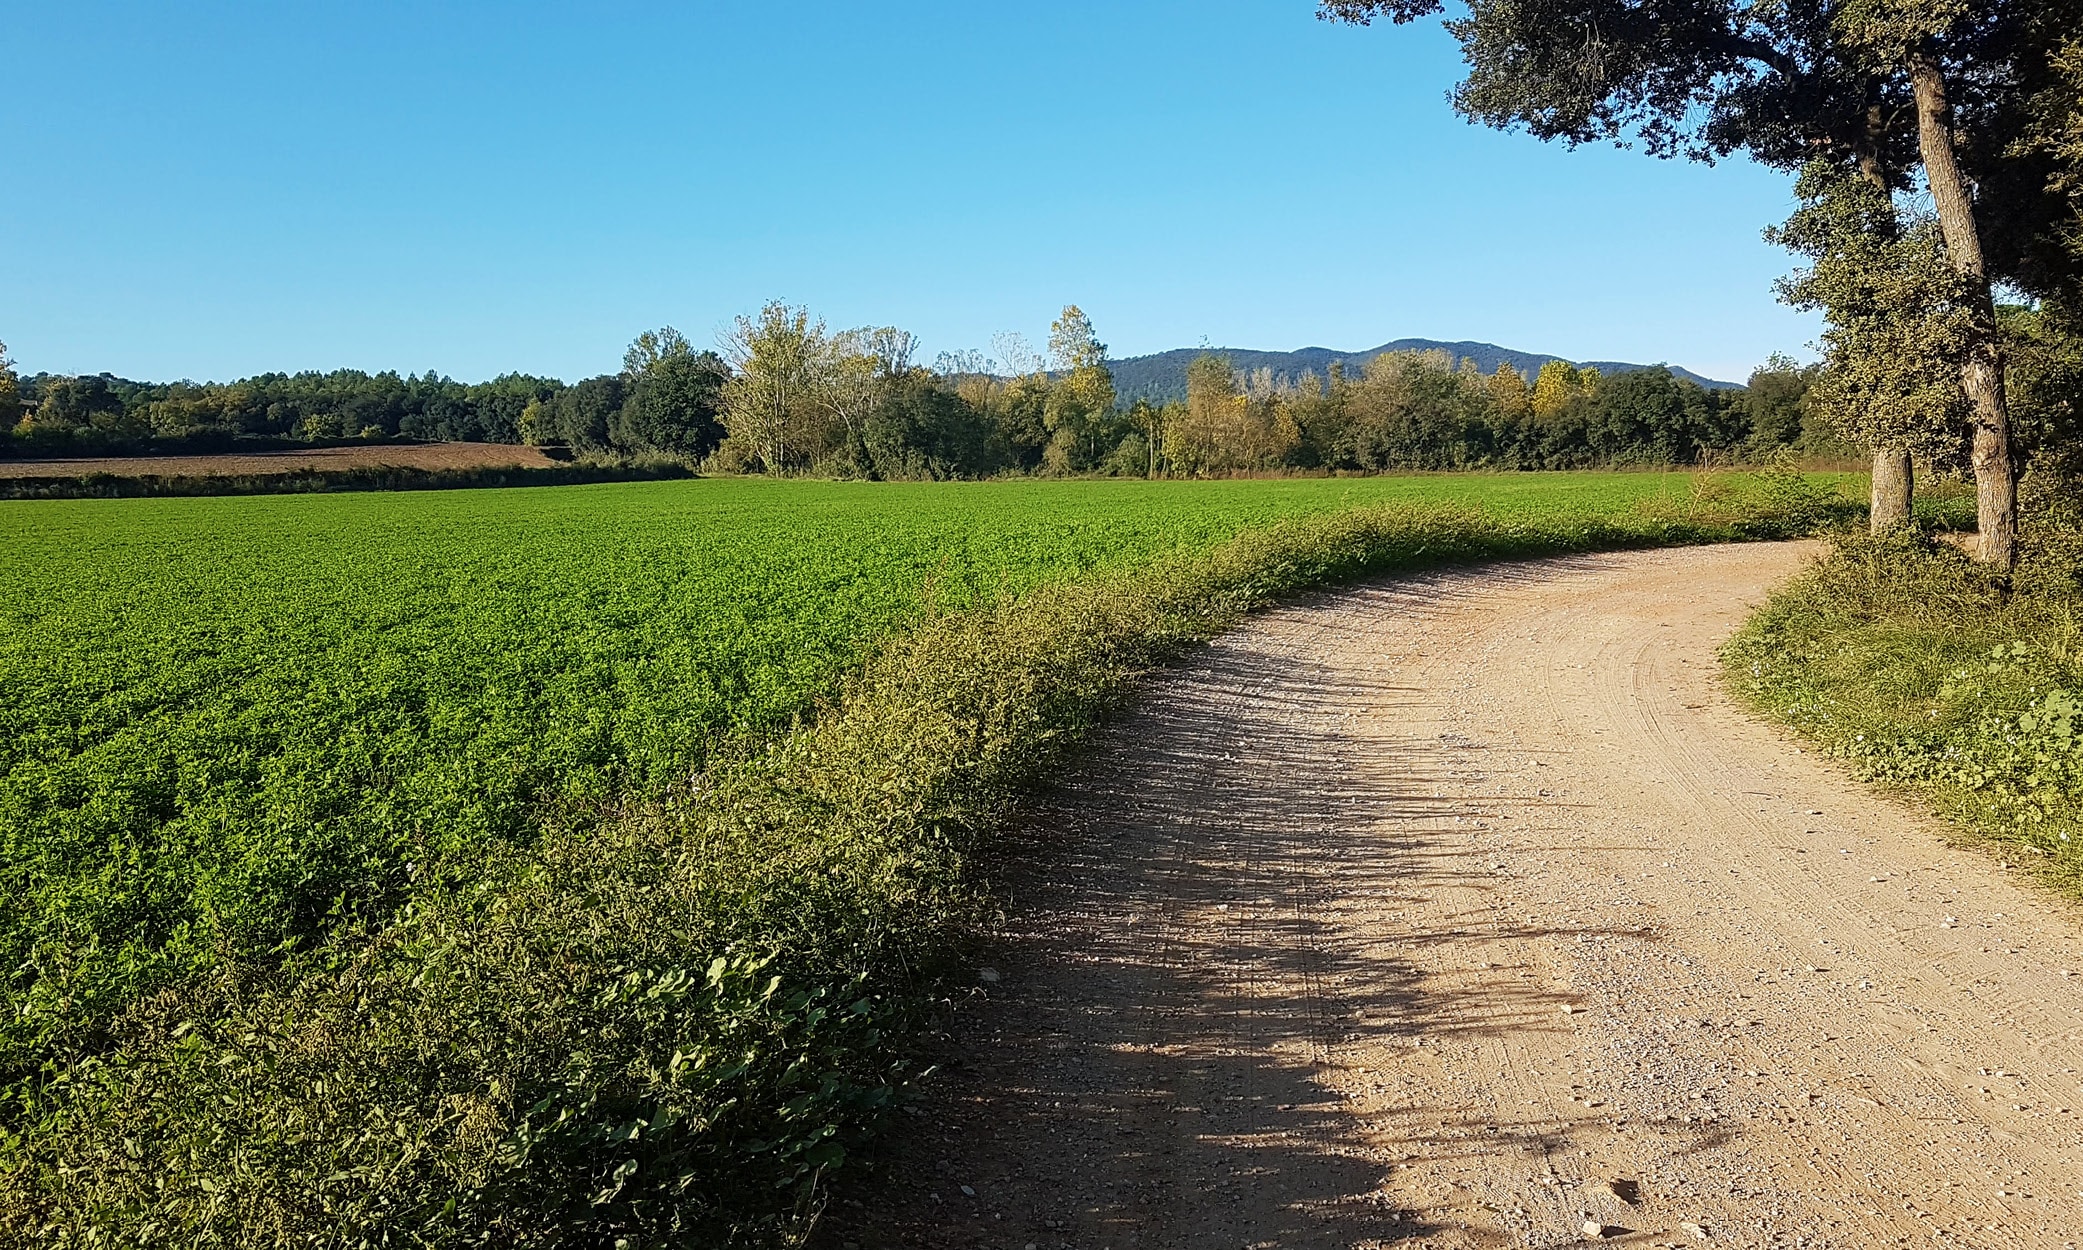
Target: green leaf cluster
(1898,316)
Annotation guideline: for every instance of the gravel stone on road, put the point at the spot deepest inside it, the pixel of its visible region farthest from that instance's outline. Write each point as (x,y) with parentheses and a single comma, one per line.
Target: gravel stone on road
(1465,910)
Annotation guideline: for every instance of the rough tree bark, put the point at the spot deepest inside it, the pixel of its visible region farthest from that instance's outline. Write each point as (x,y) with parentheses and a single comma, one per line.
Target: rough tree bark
(1894,489)
(1981,373)
(1894,477)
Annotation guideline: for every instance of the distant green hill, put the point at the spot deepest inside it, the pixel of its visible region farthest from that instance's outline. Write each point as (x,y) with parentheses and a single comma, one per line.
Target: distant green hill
(1161,378)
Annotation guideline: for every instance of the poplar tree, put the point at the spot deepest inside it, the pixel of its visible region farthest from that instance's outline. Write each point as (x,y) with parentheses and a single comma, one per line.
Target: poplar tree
(774,360)
(1083,397)
(1554,387)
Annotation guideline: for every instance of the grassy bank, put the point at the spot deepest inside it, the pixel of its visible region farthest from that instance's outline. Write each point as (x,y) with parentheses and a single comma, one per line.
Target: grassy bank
(1905,659)
(662,1017)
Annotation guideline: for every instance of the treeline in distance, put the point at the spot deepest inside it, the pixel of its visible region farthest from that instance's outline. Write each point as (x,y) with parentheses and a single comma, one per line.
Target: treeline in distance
(787,395)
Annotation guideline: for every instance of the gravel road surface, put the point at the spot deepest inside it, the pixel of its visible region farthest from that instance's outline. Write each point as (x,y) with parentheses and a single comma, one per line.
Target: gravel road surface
(1465,910)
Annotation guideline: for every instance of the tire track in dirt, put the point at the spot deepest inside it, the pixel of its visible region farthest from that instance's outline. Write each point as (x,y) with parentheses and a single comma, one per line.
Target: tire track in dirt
(1419,914)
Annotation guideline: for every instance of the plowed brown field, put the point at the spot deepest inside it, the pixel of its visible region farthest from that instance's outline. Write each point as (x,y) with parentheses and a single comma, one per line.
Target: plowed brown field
(316,459)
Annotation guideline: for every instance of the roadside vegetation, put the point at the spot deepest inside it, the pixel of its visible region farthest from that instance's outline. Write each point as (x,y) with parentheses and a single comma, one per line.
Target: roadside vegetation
(565,868)
(1909,660)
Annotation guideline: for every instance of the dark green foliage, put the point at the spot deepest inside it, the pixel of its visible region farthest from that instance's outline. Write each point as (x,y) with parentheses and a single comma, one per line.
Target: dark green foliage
(1651,417)
(581,415)
(2046,386)
(1021,433)
(90,407)
(1897,316)
(106,414)
(671,407)
(1774,408)
(923,431)
(1779,404)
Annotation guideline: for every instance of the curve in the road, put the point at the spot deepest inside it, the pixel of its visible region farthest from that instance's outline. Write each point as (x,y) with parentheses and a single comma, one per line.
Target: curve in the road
(1464,911)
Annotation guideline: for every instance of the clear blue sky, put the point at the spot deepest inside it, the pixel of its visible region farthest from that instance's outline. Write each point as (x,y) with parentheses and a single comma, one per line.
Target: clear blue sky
(212,189)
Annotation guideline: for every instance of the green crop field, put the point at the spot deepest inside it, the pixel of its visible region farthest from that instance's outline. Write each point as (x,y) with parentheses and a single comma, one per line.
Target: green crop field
(223,721)
(233,728)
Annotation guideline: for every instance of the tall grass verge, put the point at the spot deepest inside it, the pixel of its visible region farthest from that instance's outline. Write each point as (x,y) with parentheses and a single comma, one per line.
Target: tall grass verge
(1907,660)
(668,1026)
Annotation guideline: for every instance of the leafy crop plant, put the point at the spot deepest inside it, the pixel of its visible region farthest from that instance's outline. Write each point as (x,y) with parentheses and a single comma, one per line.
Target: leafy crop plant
(563,868)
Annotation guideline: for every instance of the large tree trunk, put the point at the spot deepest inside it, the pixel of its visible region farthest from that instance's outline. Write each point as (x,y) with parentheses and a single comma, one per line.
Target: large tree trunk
(1894,490)
(1894,476)
(1981,373)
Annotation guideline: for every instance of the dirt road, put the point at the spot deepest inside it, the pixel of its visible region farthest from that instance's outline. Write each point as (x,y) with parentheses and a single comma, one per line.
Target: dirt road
(1466,911)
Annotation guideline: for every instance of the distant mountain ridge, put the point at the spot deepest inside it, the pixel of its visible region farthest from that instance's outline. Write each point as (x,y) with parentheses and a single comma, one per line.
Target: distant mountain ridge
(1161,377)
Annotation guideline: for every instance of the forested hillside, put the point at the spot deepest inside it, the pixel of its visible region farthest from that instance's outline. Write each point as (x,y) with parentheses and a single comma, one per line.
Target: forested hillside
(1161,376)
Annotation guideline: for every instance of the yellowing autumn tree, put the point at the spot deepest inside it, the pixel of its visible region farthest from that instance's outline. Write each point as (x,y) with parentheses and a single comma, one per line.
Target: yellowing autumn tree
(1509,392)
(768,403)
(1557,384)
(1221,430)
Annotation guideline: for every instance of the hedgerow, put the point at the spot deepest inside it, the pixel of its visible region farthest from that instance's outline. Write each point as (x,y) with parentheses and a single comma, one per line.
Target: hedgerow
(665,1027)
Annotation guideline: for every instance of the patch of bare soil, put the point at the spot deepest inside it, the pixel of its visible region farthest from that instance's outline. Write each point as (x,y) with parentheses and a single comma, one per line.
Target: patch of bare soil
(1466,911)
(316,459)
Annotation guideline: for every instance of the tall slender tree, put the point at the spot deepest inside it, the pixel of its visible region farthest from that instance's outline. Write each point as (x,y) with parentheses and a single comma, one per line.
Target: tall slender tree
(774,357)
(849,376)
(1082,401)
(10,393)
